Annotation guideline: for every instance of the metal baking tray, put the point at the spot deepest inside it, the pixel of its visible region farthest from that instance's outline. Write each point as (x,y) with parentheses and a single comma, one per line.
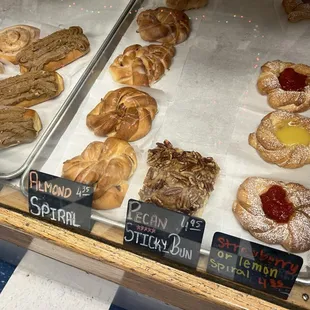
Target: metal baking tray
(72,102)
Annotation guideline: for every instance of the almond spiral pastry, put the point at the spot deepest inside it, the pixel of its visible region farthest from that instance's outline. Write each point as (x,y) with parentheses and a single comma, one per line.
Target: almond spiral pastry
(297,10)
(142,65)
(54,51)
(275,212)
(283,138)
(125,113)
(14,39)
(163,25)
(186,4)
(286,84)
(107,165)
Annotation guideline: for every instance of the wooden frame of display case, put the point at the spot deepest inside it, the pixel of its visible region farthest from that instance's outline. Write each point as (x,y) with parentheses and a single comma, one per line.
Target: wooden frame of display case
(101,253)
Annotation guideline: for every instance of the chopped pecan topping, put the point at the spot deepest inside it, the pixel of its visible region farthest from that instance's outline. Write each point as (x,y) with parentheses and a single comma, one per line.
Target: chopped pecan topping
(177,179)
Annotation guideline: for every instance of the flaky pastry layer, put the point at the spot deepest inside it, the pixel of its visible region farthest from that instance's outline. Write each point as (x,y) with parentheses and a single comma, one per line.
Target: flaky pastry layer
(268,146)
(125,113)
(164,25)
(107,165)
(142,65)
(268,84)
(294,235)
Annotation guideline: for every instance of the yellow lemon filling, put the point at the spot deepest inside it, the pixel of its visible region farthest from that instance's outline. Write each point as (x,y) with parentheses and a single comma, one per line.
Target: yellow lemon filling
(291,133)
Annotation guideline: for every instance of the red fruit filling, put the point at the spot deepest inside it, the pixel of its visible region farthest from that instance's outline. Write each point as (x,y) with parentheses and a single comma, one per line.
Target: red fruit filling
(275,204)
(292,81)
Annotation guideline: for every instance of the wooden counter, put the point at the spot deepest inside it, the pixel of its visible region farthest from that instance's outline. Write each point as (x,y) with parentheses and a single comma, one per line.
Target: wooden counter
(171,284)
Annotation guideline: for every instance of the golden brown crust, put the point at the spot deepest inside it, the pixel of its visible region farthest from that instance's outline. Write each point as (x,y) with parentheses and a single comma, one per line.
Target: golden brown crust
(13,39)
(125,113)
(186,4)
(297,10)
(272,150)
(18,125)
(142,66)
(294,235)
(2,70)
(163,25)
(268,84)
(54,51)
(30,88)
(107,165)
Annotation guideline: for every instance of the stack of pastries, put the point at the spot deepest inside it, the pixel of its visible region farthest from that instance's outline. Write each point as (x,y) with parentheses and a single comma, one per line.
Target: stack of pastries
(38,60)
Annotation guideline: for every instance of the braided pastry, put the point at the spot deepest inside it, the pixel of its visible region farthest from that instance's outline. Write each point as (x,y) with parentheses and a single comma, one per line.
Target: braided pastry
(275,212)
(186,4)
(283,138)
(30,88)
(142,65)
(14,39)
(297,10)
(18,125)
(286,84)
(125,113)
(163,25)
(107,165)
(54,51)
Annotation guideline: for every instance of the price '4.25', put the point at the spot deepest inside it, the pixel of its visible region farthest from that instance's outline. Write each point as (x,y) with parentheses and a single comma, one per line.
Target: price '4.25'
(83,191)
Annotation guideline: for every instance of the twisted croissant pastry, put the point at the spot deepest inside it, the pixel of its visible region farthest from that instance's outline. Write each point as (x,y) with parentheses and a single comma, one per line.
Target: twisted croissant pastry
(107,165)
(271,149)
(125,113)
(14,39)
(186,4)
(54,51)
(163,25)
(297,10)
(286,84)
(142,65)
(288,212)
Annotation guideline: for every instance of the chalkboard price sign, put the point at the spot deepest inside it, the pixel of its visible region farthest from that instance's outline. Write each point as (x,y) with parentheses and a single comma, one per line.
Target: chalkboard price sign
(170,234)
(60,200)
(254,265)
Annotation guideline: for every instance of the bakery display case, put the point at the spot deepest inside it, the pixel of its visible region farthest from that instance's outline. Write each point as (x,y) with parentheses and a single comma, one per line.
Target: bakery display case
(163,145)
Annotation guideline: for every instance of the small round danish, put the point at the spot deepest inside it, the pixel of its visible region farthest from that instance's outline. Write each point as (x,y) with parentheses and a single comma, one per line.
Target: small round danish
(275,212)
(297,10)
(286,84)
(283,138)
